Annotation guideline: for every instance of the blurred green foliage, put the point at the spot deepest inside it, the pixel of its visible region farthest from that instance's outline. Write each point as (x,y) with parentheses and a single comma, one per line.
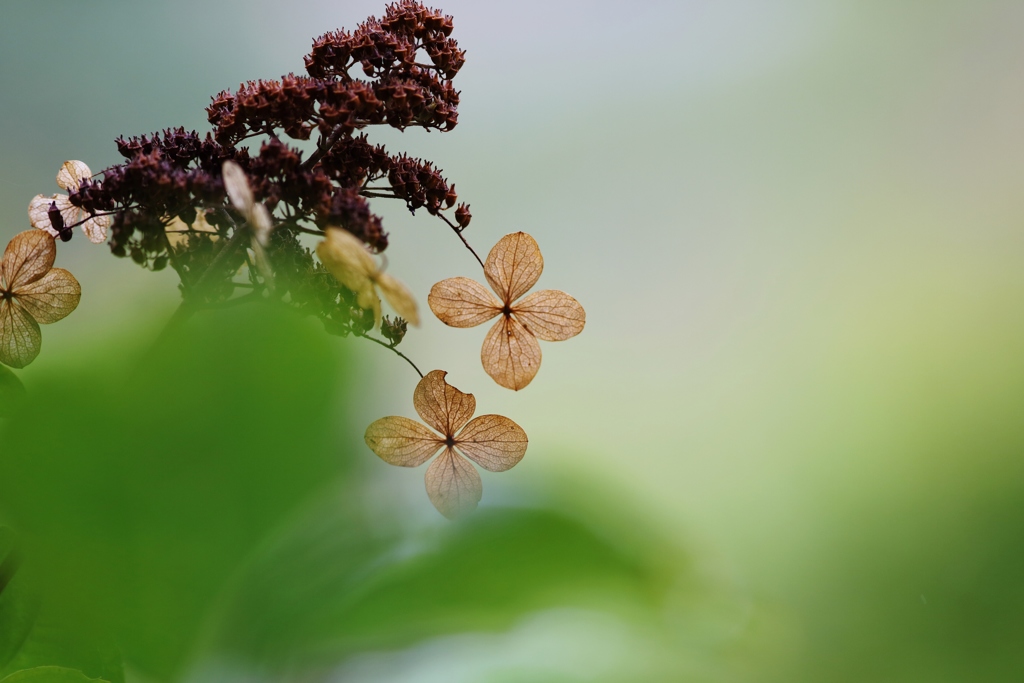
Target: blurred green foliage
(204,504)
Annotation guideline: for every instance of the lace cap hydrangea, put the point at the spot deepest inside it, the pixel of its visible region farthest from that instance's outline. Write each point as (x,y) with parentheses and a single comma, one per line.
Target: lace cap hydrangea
(494,442)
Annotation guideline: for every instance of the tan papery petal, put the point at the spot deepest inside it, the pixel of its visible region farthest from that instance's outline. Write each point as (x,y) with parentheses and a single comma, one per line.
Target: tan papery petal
(96,229)
(510,354)
(71,175)
(19,335)
(401,441)
(551,315)
(441,405)
(346,258)
(453,485)
(494,442)
(27,258)
(514,266)
(38,213)
(236,184)
(461,302)
(399,298)
(52,297)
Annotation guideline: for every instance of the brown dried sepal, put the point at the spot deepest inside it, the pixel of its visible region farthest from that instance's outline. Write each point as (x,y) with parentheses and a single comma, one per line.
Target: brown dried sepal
(494,442)
(32,291)
(510,352)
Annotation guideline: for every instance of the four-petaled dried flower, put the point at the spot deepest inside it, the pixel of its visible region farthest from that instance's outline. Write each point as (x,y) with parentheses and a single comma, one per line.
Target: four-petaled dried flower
(351,263)
(57,215)
(494,442)
(510,354)
(32,291)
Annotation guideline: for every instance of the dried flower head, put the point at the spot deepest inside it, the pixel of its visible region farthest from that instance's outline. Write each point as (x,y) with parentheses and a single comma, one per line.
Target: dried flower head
(494,442)
(351,263)
(57,215)
(510,354)
(32,291)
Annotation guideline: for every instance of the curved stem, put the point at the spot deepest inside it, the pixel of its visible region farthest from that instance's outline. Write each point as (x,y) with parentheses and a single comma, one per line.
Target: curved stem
(458,231)
(392,348)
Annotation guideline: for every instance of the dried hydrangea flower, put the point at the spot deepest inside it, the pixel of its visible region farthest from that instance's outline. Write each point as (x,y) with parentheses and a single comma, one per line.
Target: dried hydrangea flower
(57,215)
(32,291)
(510,354)
(351,263)
(494,442)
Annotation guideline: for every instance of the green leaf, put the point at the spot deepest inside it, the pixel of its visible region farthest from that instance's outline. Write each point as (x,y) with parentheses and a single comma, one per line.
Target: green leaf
(344,593)
(140,496)
(49,674)
(18,604)
(12,392)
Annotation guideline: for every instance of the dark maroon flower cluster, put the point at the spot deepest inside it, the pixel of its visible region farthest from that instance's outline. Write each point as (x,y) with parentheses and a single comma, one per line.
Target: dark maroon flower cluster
(409,60)
(401,92)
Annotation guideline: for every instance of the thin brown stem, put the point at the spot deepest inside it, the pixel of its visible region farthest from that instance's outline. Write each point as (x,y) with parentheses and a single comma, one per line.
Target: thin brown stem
(458,231)
(392,348)
(323,149)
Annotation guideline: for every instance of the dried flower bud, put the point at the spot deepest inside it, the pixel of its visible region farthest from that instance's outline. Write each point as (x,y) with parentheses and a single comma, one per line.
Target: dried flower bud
(463,216)
(394,331)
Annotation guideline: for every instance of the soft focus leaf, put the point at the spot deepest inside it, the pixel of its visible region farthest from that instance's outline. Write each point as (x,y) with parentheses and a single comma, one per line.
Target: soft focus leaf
(49,674)
(347,590)
(514,265)
(401,441)
(453,485)
(551,315)
(144,495)
(52,297)
(494,442)
(12,392)
(461,302)
(20,339)
(28,256)
(510,354)
(441,405)
(18,604)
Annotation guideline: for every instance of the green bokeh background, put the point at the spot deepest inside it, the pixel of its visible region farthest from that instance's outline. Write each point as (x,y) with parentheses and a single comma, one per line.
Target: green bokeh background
(797,231)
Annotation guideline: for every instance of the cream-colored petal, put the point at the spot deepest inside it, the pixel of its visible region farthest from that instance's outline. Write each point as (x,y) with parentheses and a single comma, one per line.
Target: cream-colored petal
(510,354)
(461,302)
(494,442)
(236,184)
(399,298)
(514,266)
(71,175)
(441,405)
(262,224)
(401,441)
(346,258)
(453,485)
(39,213)
(20,339)
(52,297)
(27,258)
(96,229)
(551,315)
